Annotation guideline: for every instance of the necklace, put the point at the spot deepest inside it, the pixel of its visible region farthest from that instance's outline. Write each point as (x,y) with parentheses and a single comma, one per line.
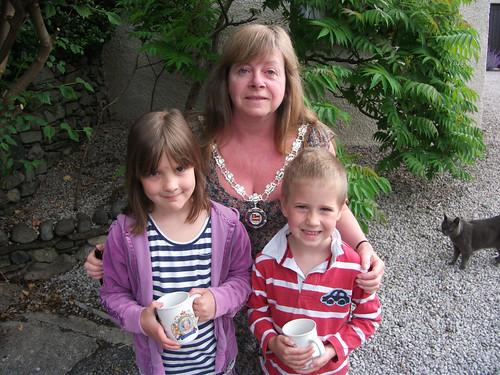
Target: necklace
(255,216)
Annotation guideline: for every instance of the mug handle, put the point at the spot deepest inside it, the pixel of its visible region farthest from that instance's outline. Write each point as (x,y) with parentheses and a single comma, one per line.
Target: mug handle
(319,345)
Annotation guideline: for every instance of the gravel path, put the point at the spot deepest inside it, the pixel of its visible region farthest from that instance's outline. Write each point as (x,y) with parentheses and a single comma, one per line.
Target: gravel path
(437,319)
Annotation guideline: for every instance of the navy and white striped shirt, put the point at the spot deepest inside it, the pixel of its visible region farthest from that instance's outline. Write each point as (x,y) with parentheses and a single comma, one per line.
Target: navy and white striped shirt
(180,267)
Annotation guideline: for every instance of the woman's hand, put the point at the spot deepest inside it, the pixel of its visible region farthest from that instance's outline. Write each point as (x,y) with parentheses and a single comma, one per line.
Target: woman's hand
(204,306)
(320,361)
(371,280)
(92,265)
(289,354)
(154,329)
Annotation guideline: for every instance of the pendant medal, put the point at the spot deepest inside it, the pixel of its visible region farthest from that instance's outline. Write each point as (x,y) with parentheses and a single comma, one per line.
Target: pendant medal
(255,217)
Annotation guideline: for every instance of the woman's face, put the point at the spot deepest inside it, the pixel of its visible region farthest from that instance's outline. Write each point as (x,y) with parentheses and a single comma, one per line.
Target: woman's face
(257,87)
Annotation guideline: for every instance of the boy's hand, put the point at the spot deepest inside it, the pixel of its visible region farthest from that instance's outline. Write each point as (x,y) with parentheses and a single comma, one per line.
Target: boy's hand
(154,329)
(289,354)
(204,306)
(319,362)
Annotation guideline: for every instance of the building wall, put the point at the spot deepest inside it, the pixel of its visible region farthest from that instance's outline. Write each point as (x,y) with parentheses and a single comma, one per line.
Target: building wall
(134,92)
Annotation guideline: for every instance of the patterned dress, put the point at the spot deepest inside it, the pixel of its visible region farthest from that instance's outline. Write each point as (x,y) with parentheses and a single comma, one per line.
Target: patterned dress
(317,136)
(248,359)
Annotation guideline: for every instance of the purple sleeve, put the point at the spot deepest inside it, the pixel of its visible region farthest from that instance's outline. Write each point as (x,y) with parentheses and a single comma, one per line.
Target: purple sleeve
(116,292)
(232,293)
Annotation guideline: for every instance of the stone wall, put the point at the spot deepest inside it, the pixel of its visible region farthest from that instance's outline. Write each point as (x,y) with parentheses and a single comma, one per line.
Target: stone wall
(32,145)
(49,248)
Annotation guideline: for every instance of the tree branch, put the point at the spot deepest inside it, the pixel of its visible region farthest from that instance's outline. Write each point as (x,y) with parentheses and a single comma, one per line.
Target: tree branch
(12,18)
(46,45)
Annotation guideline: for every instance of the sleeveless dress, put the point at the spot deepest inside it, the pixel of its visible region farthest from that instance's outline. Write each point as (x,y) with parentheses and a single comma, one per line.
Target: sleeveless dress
(247,361)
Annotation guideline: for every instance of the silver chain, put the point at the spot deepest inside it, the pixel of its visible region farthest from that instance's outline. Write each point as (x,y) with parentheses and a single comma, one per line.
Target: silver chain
(219,160)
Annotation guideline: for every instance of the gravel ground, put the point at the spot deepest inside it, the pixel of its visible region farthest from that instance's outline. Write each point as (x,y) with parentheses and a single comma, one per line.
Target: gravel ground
(437,319)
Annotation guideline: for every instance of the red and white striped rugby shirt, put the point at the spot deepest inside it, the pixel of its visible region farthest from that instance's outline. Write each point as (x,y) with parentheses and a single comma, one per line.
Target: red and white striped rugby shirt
(345,314)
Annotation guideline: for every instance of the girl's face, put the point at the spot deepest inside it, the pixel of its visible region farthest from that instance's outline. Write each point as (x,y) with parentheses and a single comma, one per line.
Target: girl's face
(170,187)
(257,87)
(312,211)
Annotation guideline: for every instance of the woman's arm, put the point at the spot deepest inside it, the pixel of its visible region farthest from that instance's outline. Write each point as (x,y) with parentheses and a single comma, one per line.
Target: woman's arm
(352,233)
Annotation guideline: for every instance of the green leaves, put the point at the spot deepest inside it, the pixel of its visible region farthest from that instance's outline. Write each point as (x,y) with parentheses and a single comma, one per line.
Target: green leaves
(379,76)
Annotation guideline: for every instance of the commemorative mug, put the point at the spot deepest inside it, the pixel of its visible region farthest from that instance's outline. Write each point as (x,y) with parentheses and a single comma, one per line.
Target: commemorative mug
(303,333)
(177,316)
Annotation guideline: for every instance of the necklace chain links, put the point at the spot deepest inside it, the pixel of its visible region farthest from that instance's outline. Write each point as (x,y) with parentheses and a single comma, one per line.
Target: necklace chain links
(240,190)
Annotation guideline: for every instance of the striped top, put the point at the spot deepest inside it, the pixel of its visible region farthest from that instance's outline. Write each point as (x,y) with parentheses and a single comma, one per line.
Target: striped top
(345,315)
(180,267)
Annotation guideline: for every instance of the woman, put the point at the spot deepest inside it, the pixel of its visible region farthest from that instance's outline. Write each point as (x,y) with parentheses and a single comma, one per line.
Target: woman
(255,122)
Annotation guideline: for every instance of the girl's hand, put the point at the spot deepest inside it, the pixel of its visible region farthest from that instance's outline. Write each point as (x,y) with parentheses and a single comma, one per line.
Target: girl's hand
(371,280)
(289,354)
(154,329)
(92,265)
(204,306)
(319,362)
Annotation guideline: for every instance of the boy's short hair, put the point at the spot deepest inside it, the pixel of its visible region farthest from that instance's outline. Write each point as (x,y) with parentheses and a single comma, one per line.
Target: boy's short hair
(316,163)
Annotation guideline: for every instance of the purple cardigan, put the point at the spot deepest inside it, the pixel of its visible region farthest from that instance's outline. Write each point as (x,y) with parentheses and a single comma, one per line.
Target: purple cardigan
(128,284)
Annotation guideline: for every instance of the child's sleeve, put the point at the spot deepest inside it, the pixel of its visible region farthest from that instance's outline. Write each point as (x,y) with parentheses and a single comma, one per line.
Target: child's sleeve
(366,318)
(116,291)
(259,315)
(232,294)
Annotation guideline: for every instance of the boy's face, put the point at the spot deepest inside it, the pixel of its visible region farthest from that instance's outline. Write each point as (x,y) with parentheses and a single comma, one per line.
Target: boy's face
(312,210)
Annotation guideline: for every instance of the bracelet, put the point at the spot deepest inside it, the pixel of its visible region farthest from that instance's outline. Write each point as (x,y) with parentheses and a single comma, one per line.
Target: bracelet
(359,244)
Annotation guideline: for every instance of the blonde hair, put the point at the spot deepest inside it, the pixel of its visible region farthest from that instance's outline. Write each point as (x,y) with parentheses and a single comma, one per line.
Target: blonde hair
(247,43)
(312,164)
(151,136)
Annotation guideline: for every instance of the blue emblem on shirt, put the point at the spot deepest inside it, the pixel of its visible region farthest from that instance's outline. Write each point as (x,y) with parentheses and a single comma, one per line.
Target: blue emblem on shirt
(337,297)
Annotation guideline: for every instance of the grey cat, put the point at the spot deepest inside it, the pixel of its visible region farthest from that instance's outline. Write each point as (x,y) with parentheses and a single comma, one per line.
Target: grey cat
(468,236)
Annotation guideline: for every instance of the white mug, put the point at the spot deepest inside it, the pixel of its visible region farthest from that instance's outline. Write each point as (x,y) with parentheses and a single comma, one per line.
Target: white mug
(303,333)
(177,316)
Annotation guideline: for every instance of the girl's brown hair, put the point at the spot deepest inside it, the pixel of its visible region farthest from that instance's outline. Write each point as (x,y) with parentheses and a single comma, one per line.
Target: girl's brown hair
(312,164)
(152,135)
(249,42)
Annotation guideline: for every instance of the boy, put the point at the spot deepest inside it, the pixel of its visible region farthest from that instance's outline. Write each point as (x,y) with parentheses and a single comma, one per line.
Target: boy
(306,271)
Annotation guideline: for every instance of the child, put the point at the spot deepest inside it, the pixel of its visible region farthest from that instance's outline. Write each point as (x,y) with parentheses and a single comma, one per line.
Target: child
(173,238)
(306,271)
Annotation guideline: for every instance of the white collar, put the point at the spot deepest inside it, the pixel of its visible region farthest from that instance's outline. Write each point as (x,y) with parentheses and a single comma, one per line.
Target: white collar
(276,247)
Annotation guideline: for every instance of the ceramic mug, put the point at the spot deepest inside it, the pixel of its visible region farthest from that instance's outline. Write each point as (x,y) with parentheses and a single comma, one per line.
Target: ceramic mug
(177,316)
(303,333)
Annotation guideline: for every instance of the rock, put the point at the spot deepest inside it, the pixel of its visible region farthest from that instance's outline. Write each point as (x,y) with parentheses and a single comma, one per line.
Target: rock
(29,188)
(64,244)
(100,216)
(83,251)
(41,168)
(21,233)
(4,201)
(84,223)
(11,181)
(65,226)
(46,230)
(117,208)
(96,240)
(29,175)
(4,238)
(32,136)
(4,261)
(36,152)
(14,195)
(44,271)
(47,255)
(19,257)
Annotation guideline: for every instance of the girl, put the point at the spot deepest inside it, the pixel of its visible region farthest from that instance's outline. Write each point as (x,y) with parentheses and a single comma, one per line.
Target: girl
(173,238)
